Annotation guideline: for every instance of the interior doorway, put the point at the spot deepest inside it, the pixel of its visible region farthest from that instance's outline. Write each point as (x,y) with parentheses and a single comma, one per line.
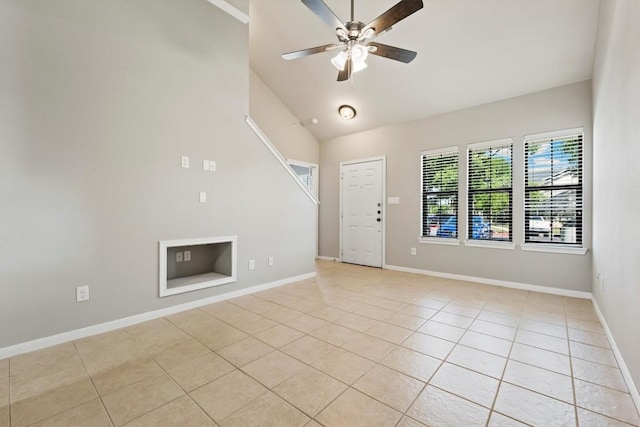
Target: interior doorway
(309,175)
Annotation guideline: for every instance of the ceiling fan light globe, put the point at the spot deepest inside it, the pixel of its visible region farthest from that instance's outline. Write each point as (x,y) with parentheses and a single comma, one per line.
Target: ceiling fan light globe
(359,66)
(368,33)
(359,53)
(340,60)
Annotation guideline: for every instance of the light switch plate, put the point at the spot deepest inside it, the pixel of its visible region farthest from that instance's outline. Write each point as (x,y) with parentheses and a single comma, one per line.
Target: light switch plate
(187,255)
(203,197)
(184,162)
(205,165)
(393,201)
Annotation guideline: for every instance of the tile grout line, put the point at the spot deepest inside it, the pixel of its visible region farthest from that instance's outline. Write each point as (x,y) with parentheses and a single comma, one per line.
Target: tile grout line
(443,361)
(93,384)
(573,380)
(168,375)
(504,370)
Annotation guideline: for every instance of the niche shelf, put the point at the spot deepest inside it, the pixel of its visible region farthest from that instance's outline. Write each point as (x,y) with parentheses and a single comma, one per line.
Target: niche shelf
(211,262)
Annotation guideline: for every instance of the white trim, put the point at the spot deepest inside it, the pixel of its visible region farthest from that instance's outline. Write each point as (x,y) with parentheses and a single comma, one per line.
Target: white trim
(231,10)
(628,379)
(554,249)
(492,244)
(550,247)
(383,228)
(328,258)
(426,153)
(439,241)
(486,144)
(256,129)
(476,146)
(139,318)
(494,282)
(445,150)
(163,245)
(314,171)
(566,133)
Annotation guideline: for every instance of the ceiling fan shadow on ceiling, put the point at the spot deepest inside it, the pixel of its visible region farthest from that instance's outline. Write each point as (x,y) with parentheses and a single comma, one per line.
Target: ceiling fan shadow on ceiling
(355,38)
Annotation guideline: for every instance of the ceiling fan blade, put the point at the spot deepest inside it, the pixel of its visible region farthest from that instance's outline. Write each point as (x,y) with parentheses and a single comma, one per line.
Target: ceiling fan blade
(323,12)
(312,50)
(345,74)
(397,13)
(392,52)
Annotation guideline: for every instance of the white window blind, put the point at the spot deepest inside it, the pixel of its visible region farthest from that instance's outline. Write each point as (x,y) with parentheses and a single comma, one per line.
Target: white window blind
(440,193)
(490,192)
(553,188)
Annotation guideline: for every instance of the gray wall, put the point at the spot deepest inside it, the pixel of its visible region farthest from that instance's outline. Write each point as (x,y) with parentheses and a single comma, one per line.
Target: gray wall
(99,101)
(616,189)
(555,109)
(282,128)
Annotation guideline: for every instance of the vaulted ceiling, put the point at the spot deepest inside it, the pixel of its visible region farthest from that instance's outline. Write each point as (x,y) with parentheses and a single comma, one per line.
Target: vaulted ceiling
(470,52)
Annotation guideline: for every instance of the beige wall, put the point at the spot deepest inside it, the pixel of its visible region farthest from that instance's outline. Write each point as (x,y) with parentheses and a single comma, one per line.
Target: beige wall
(555,109)
(282,128)
(616,190)
(99,101)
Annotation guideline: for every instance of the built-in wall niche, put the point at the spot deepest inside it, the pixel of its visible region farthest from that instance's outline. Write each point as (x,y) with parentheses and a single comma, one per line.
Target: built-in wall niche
(192,264)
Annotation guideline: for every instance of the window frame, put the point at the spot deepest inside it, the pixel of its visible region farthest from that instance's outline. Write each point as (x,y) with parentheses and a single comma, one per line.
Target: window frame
(491,242)
(438,239)
(558,246)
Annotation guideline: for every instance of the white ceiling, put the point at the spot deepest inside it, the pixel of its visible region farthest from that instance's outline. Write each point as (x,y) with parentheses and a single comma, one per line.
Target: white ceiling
(470,52)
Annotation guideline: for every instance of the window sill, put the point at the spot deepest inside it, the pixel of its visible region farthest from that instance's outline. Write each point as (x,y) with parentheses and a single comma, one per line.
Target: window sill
(439,241)
(490,244)
(554,249)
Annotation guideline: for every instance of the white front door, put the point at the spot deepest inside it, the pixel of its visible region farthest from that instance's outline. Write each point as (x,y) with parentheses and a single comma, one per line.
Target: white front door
(362,209)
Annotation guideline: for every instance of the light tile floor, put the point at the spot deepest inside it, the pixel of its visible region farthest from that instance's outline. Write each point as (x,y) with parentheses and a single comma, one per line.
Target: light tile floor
(354,347)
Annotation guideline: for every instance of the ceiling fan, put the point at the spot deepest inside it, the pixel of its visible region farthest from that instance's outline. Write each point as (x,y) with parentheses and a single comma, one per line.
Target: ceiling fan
(355,37)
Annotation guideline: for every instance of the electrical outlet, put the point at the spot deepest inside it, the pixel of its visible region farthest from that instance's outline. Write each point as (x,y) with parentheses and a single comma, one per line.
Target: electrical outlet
(178,256)
(187,255)
(413,251)
(184,162)
(252,264)
(212,165)
(82,293)
(270,261)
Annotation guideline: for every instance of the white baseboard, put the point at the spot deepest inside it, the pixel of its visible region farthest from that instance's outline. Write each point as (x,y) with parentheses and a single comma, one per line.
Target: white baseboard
(628,379)
(494,282)
(328,258)
(139,318)
(633,390)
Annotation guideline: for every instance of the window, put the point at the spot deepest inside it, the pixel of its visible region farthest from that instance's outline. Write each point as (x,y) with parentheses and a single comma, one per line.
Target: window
(440,193)
(490,191)
(553,188)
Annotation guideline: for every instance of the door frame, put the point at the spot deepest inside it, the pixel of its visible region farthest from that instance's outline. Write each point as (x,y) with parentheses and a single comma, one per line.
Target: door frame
(384,202)
(315,190)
